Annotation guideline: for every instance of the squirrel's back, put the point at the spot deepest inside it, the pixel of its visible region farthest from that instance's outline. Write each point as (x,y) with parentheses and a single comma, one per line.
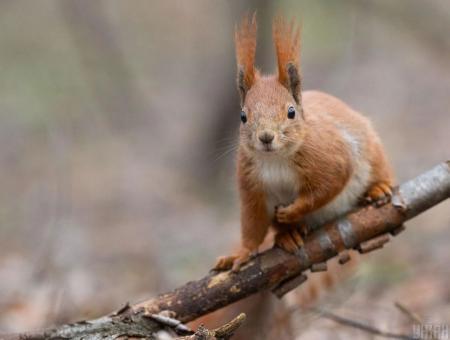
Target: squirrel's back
(323,108)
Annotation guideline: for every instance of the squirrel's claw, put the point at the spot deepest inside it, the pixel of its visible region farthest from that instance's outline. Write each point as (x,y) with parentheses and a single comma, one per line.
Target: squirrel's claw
(224,263)
(233,262)
(379,194)
(289,241)
(239,261)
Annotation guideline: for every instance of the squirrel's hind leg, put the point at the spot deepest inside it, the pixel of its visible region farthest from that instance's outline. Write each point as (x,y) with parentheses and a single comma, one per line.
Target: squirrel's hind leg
(379,193)
(382,181)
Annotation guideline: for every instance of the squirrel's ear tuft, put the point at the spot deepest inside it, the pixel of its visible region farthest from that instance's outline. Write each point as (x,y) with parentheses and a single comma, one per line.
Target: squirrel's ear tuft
(245,40)
(286,37)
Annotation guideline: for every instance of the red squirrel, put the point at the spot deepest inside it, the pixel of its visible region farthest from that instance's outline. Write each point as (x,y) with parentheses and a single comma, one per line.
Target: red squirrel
(304,157)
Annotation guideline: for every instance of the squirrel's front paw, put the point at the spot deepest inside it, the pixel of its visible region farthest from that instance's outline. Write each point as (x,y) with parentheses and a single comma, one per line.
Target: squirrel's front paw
(286,215)
(233,262)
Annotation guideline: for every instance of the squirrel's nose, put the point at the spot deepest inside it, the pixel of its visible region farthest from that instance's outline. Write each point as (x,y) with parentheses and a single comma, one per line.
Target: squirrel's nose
(266,137)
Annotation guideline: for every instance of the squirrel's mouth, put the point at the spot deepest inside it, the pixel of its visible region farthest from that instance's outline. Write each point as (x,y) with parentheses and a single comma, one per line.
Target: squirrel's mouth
(267,148)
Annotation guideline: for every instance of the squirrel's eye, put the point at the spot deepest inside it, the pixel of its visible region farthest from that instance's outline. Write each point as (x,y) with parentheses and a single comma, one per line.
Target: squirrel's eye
(243,117)
(291,112)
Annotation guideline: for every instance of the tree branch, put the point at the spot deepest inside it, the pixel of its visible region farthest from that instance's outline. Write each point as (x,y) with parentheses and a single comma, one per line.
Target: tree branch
(366,229)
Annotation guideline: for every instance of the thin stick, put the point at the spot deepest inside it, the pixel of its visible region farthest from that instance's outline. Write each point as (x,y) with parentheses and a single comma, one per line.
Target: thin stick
(411,315)
(363,327)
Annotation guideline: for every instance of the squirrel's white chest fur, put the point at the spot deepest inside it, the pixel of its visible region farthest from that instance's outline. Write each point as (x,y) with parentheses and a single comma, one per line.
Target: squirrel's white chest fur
(279,180)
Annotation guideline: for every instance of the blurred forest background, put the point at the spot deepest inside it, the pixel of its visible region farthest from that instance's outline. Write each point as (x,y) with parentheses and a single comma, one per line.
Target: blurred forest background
(117,126)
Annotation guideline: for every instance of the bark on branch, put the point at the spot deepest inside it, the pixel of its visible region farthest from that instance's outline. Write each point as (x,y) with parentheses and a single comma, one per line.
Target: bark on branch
(366,229)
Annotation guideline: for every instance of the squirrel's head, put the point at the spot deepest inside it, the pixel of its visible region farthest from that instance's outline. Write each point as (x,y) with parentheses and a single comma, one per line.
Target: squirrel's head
(272,114)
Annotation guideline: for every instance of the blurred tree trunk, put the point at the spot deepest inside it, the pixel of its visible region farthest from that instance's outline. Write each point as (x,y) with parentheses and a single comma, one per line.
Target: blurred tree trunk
(105,68)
